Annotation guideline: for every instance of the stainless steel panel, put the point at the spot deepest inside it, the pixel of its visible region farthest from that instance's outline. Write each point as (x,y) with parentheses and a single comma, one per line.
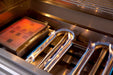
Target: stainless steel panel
(74,17)
(17,65)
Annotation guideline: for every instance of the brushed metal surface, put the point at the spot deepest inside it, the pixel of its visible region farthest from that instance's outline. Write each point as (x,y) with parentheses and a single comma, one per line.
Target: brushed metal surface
(74,17)
(19,65)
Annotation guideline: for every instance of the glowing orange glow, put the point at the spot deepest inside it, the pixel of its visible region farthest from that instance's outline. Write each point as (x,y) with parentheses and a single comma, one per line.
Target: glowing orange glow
(5,16)
(17,34)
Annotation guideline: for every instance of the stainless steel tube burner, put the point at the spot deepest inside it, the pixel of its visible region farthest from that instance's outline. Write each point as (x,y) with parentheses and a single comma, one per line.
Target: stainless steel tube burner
(56,53)
(84,59)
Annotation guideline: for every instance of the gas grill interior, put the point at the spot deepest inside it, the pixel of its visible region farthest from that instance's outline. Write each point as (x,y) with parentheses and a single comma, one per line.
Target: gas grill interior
(90,20)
